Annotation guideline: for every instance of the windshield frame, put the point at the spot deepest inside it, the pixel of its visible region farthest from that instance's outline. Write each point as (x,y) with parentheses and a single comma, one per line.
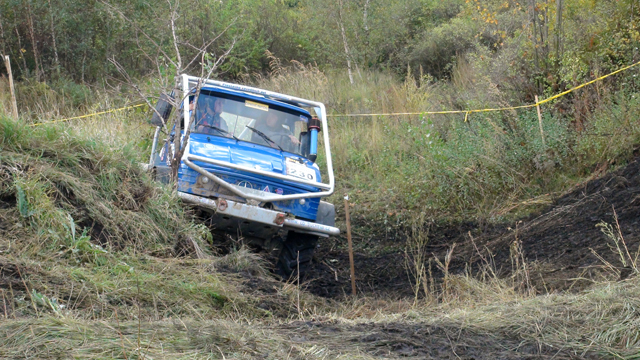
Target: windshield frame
(239,112)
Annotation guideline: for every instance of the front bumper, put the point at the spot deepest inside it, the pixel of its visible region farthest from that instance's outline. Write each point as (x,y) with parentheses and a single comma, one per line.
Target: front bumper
(260,215)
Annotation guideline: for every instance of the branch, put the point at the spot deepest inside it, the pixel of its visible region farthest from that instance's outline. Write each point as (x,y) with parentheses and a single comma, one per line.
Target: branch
(143,51)
(113,8)
(128,79)
(199,87)
(203,49)
(174,13)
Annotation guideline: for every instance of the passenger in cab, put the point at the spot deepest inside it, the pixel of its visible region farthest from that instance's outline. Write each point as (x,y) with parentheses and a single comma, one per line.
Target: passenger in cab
(208,117)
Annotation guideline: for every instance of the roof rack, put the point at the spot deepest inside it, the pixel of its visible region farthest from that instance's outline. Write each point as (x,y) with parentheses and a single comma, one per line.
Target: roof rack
(292,100)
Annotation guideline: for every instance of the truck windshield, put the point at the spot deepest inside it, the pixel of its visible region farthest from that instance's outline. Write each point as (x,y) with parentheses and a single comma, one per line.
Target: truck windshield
(249,121)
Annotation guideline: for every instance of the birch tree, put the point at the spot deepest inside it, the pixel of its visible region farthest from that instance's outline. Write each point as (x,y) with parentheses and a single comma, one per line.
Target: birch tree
(207,59)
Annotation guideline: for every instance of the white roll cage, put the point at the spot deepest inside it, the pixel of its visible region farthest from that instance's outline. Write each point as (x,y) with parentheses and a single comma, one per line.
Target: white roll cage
(189,82)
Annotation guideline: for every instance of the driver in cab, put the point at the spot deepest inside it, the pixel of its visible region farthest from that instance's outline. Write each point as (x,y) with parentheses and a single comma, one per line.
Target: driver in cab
(208,118)
(274,128)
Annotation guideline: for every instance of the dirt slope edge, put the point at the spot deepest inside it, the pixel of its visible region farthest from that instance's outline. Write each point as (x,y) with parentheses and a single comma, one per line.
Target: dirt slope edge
(557,244)
(561,240)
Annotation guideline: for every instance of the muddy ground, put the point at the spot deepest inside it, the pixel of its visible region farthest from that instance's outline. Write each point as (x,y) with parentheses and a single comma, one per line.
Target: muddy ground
(558,244)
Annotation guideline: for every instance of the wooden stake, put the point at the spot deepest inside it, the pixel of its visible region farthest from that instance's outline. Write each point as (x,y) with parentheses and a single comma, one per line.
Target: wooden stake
(353,271)
(7,64)
(544,143)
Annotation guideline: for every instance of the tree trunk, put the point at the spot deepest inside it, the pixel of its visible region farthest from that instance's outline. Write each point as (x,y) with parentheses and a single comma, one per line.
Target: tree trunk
(346,45)
(365,22)
(534,25)
(21,55)
(53,38)
(559,31)
(4,41)
(545,31)
(34,45)
(84,61)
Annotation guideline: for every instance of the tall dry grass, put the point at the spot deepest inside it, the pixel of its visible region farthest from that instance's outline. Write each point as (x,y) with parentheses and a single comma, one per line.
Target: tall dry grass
(40,102)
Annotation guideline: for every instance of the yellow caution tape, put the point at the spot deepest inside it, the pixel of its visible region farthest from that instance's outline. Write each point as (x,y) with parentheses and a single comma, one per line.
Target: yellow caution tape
(467,112)
(588,83)
(88,115)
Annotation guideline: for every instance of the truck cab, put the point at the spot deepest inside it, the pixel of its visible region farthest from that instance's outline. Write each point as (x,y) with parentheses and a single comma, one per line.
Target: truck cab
(250,165)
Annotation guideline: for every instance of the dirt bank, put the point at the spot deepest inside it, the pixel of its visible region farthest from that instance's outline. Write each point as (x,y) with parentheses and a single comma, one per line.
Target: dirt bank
(558,244)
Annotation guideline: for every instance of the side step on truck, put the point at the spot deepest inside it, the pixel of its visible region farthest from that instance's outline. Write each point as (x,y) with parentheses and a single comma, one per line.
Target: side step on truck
(250,166)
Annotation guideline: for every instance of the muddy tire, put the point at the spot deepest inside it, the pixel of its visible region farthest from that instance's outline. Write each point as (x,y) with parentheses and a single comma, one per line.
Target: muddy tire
(296,248)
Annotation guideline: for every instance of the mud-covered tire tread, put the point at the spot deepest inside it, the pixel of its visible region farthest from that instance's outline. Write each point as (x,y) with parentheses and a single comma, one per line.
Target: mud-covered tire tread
(288,260)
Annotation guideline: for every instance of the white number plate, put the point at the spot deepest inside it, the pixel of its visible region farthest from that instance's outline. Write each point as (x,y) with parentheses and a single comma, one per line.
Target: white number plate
(300,171)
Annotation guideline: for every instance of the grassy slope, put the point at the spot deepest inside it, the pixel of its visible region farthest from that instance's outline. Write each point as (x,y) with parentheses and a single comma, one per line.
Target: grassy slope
(122,293)
(86,238)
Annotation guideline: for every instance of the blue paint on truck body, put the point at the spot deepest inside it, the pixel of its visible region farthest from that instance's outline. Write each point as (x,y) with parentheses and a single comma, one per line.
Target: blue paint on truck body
(252,155)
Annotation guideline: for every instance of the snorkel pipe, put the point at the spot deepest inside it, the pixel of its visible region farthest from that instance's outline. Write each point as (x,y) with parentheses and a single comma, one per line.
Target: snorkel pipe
(314,128)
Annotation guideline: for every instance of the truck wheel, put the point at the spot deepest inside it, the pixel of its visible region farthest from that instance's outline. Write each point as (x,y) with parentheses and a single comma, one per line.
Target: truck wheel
(297,250)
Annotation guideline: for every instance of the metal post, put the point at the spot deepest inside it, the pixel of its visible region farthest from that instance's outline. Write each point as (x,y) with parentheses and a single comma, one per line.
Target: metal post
(7,64)
(353,271)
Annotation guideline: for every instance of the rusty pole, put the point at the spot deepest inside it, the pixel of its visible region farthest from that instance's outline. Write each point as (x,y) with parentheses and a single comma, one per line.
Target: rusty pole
(353,271)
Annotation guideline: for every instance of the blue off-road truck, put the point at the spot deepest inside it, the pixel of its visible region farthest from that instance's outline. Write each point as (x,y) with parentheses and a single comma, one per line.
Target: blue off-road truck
(250,166)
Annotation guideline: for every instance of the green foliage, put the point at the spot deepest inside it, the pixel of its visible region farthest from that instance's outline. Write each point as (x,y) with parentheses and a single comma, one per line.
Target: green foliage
(450,54)
(23,204)
(436,50)
(80,247)
(46,302)
(550,53)
(395,167)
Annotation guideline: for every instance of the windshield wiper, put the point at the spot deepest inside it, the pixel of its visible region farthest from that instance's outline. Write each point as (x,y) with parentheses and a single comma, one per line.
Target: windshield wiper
(222,131)
(262,135)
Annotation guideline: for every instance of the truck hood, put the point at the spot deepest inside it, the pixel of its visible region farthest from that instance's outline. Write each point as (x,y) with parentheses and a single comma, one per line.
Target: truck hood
(244,154)
(254,156)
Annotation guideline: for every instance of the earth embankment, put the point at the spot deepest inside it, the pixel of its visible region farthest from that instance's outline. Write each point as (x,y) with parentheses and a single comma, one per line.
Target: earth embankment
(563,245)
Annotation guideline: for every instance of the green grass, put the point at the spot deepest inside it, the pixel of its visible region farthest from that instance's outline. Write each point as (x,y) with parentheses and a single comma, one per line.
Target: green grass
(64,181)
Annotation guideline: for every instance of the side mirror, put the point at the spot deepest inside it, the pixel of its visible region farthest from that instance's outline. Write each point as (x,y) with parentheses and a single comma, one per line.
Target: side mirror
(163,107)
